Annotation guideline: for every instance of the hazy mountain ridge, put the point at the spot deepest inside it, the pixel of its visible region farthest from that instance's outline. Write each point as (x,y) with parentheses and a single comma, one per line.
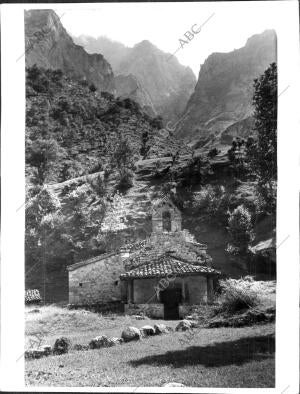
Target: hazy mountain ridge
(223,93)
(161,78)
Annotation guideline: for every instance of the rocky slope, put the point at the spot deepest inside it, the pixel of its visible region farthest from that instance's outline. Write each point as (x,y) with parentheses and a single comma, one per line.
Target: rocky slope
(223,93)
(128,86)
(49,45)
(161,78)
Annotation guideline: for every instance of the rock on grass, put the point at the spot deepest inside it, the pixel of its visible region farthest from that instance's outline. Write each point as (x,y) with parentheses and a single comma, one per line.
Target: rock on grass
(101,341)
(160,329)
(184,325)
(131,334)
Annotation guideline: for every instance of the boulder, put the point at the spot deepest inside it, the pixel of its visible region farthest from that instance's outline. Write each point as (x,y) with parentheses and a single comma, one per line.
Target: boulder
(101,341)
(62,345)
(160,329)
(147,330)
(184,325)
(131,334)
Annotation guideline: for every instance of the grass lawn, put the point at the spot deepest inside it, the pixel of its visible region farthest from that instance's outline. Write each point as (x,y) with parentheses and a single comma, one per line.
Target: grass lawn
(220,357)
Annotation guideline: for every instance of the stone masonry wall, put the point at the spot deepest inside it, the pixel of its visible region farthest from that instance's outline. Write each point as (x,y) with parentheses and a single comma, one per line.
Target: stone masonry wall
(96,282)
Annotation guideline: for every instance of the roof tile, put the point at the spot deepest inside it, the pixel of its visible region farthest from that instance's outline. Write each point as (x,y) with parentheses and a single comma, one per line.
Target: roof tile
(167,265)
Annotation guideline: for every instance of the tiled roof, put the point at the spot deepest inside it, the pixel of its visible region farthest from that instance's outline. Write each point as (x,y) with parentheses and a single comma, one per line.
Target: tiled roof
(167,265)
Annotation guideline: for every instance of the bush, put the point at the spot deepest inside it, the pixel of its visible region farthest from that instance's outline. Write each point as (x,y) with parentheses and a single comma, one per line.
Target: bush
(240,228)
(125,180)
(61,346)
(213,153)
(238,295)
(92,87)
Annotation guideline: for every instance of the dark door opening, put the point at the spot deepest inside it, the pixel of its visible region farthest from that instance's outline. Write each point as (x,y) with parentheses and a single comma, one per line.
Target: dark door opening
(171,299)
(166,221)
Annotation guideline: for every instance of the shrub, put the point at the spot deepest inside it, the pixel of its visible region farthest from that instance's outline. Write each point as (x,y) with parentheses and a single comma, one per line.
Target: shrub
(61,346)
(92,87)
(240,228)
(213,153)
(125,180)
(238,294)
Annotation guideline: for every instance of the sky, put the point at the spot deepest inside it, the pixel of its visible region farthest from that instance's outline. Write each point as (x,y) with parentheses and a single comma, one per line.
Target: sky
(221,27)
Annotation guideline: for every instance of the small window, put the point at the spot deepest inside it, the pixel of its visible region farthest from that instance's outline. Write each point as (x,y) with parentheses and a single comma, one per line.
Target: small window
(116,282)
(80,284)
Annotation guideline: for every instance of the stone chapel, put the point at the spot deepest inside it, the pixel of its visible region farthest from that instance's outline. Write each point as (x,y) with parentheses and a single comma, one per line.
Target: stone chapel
(164,276)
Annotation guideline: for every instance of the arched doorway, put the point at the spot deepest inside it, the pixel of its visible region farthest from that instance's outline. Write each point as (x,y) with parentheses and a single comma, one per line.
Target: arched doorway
(166,221)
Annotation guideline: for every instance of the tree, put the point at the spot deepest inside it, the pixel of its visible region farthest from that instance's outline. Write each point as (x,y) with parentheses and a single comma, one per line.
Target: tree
(123,160)
(240,229)
(236,155)
(122,156)
(262,153)
(41,154)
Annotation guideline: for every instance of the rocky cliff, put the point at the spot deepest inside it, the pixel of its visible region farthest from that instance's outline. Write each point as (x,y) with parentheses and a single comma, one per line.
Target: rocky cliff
(160,77)
(48,45)
(223,93)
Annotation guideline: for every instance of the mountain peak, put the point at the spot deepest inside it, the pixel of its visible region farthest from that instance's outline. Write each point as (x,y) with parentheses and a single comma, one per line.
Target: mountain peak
(145,44)
(265,36)
(55,49)
(223,93)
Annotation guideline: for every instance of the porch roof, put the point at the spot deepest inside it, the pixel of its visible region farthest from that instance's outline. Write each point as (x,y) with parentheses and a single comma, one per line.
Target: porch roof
(168,265)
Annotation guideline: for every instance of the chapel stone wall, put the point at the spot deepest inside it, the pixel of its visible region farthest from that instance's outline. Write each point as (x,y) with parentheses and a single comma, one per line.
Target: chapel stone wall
(97,282)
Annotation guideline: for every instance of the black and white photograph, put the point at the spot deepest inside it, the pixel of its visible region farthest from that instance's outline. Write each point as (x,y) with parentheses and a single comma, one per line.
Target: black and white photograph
(150,209)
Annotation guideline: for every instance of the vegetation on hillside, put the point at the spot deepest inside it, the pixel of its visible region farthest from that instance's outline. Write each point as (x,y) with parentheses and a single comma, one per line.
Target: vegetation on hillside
(73,130)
